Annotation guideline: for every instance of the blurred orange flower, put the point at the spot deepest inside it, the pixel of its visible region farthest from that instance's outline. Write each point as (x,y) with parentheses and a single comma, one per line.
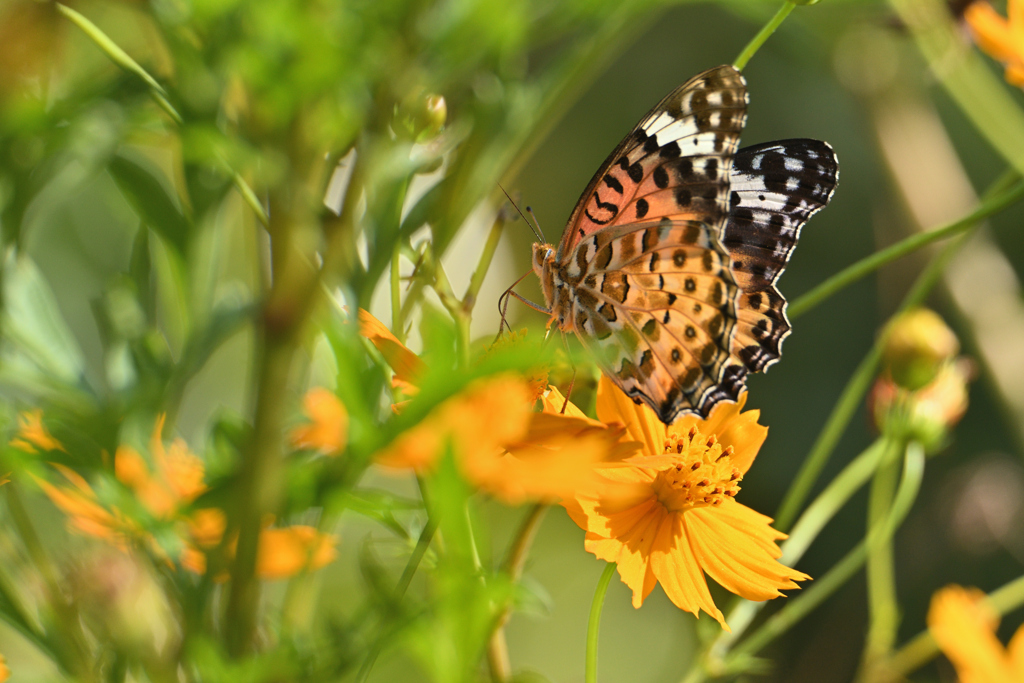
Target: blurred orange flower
(668,515)
(33,435)
(1002,38)
(167,492)
(407,365)
(965,629)
(327,430)
(503,447)
(5,673)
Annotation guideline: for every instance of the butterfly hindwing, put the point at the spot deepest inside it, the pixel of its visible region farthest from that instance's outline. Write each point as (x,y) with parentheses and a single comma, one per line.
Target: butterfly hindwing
(656,304)
(774,189)
(674,164)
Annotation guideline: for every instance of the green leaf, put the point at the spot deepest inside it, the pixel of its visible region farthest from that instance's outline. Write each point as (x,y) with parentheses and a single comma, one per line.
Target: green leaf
(148,196)
(32,321)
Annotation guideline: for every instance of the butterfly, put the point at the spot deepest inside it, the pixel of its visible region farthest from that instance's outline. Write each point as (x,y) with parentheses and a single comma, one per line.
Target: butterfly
(667,268)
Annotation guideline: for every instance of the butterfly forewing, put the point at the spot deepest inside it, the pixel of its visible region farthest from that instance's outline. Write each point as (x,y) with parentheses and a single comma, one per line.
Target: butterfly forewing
(674,164)
(774,189)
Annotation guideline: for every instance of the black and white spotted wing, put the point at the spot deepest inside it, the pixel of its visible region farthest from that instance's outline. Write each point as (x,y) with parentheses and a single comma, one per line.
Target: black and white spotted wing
(775,188)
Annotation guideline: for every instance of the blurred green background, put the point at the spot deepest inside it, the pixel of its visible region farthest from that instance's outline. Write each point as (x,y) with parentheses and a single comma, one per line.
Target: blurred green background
(834,71)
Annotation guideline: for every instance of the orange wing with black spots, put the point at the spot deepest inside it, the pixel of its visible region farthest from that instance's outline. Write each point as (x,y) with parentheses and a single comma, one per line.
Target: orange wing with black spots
(674,164)
(666,270)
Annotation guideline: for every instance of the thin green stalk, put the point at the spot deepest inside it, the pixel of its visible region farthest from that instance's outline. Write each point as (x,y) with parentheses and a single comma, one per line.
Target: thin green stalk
(854,392)
(764,34)
(883,607)
(799,607)
(497,647)
(922,648)
(396,292)
(817,515)
(486,256)
(70,643)
(422,544)
(978,92)
(594,625)
(1003,193)
(121,58)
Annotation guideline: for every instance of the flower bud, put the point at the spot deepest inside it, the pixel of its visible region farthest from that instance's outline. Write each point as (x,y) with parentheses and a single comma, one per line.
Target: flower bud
(420,118)
(123,604)
(919,345)
(925,415)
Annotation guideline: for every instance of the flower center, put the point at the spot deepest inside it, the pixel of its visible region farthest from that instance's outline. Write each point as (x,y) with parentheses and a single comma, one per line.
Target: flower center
(703,475)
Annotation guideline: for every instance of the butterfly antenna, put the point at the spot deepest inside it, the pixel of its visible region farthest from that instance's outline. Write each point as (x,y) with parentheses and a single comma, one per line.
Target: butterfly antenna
(537,223)
(536,231)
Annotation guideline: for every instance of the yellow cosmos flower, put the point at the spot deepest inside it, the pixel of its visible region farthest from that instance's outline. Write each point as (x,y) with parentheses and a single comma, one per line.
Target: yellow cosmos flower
(167,491)
(5,673)
(965,629)
(669,514)
(327,430)
(32,433)
(1002,39)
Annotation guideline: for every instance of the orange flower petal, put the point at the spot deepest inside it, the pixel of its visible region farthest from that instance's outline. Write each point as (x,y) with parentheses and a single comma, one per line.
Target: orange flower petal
(964,627)
(327,430)
(641,423)
(407,365)
(735,559)
(485,416)
(679,572)
(286,552)
(33,433)
(991,31)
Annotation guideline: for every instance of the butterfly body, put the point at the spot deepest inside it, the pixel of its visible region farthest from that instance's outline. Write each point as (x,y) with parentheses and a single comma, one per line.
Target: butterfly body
(666,270)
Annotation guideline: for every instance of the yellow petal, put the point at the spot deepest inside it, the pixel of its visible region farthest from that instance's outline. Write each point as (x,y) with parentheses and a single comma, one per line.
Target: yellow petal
(991,31)
(32,433)
(407,365)
(734,558)
(286,552)
(964,629)
(631,550)
(480,420)
(641,423)
(679,572)
(327,430)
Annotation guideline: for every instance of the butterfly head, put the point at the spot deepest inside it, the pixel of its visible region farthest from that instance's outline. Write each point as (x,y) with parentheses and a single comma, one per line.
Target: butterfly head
(543,266)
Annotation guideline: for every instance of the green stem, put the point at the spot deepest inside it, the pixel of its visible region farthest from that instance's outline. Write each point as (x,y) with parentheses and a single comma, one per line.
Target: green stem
(396,293)
(497,648)
(854,392)
(69,644)
(799,607)
(422,544)
(755,44)
(486,256)
(978,92)
(811,522)
(594,625)
(121,58)
(1003,193)
(881,574)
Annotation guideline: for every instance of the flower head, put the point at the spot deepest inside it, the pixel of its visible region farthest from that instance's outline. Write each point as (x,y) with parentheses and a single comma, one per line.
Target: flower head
(32,433)
(1002,38)
(964,628)
(327,430)
(669,514)
(167,491)
(501,445)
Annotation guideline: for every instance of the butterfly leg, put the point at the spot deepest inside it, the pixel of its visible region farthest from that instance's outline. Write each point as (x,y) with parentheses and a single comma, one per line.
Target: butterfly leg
(504,299)
(572,382)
